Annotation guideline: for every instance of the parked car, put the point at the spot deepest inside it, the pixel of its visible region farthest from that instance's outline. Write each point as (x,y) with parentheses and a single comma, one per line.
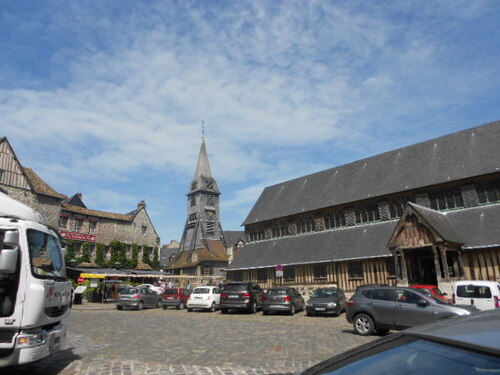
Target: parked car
(382,308)
(326,301)
(462,346)
(137,298)
(175,297)
(157,289)
(239,295)
(282,299)
(433,290)
(204,297)
(485,295)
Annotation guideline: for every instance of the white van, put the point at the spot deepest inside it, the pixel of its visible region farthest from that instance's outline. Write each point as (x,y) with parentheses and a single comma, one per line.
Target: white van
(485,295)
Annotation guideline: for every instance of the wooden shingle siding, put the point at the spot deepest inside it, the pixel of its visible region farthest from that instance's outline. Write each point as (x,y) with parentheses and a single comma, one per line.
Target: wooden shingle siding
(482,264)
(13,174)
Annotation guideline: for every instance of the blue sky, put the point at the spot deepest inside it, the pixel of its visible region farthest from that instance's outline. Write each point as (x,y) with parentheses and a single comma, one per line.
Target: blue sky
(106,98)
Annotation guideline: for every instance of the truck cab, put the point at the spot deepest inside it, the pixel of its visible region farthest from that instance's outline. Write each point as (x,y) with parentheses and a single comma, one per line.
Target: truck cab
(35,294)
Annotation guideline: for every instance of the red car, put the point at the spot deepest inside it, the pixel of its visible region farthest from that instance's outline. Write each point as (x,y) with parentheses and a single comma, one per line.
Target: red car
(175,297)
(433,290)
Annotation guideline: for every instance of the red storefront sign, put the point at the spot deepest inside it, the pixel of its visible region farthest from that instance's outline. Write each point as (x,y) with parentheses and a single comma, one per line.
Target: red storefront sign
(78,236)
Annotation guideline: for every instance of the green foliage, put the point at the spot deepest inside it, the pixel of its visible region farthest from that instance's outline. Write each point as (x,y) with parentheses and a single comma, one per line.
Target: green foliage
(99,256)
(85,253)
(70,252)
(146,255)
(118,253)
(156,262)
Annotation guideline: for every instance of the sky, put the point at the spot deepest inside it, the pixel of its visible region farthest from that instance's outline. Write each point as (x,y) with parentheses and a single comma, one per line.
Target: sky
(107,98)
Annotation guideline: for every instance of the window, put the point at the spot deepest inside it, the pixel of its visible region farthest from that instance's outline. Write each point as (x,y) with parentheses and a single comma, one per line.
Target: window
(92,226)
(488,192)
(256,234)
(144,229)
(207,271)
(366,214)
(405,296)
(306,225)
(355,270)
(446,199)
(289,274)
(1,174)
(192,217)
(45,254)
(280,230)
(262,275)
(63,221)
(210,199)
(334,220)
(78,223)
(193,200)
(320,271)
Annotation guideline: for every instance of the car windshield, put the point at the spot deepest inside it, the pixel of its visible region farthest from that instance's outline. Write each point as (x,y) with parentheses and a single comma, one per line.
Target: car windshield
(46,255)
(421,357)
(428,294)
(201,291)
(171,291)
(276,292)
(321,293)
(130,291)
(235,287)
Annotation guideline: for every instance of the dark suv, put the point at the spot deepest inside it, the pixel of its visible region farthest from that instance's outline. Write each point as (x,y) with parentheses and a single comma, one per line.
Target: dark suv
(382,308)
(241,296)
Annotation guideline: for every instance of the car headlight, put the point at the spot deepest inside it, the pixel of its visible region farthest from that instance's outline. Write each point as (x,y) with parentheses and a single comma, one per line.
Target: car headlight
(332,304)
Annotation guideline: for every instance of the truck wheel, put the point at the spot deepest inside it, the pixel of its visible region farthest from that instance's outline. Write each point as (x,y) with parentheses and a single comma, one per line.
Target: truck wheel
(180,306)
(363,325)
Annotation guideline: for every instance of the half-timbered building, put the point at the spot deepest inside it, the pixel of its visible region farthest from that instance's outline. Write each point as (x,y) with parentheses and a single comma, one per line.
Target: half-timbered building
(427,213)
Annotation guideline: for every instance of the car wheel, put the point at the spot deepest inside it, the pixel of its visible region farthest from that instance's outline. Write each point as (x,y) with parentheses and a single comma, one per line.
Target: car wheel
(292,310)
(180,306)
(119,307)
(223,311)
(309,313)
(253,308)
(338,311)
(165,307)
(363,325)
(190,309)
(212,308)
(140,306)
(158,304)
(265,312)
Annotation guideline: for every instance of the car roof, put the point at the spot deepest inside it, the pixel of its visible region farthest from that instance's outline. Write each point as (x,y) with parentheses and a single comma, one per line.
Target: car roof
(480,330)
(423,286)
(476,282)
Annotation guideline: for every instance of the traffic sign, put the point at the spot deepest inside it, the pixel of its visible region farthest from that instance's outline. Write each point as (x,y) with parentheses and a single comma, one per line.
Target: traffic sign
(279,267)
(279,274)
(81,280)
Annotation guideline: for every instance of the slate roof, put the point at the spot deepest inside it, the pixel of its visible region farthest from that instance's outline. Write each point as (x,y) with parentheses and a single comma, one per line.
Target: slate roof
(107,215)
(476,227)
(460,155)
(233,236)
(40,186)
(367,241)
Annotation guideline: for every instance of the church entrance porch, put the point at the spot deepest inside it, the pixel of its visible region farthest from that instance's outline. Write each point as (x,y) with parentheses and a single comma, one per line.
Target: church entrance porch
(421,267)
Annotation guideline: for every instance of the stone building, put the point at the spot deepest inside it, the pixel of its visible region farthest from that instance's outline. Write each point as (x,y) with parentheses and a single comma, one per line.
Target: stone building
(427,213)
(203,250)
(75,221)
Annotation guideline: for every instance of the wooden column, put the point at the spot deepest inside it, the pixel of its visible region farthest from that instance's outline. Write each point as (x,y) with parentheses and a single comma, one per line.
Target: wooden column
(403,268)
(396,265)
(445,263)
(436,262)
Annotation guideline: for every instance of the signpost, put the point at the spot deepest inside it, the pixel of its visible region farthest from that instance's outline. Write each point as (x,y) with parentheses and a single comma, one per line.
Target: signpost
(279,270)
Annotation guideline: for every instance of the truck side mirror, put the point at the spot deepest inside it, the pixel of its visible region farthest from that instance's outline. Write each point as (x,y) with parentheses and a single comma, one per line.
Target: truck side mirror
(9,253)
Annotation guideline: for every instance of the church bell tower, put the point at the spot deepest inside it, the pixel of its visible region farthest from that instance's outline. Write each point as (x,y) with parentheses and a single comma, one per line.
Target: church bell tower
(203,221)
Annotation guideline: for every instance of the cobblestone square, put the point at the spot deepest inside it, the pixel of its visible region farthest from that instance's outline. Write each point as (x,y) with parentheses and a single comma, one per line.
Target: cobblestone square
(104,341)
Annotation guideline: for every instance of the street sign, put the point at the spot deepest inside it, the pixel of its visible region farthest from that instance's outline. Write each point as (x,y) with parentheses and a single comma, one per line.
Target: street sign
(279,274)
(81,280)
(279,267)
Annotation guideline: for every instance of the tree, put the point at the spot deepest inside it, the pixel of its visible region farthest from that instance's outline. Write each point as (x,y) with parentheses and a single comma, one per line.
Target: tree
(99,254)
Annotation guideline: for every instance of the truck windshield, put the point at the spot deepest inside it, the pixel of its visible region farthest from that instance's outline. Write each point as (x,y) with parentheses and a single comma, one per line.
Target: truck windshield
(45,255)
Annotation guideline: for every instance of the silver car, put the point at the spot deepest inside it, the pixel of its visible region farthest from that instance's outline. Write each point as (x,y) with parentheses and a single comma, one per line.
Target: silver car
(282,299)
(137,298)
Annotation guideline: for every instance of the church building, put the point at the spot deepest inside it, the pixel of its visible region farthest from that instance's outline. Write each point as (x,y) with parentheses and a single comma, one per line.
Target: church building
(203,250)
(423,214)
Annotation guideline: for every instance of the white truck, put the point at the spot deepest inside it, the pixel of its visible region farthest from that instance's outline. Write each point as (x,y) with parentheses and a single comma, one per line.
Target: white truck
(35,294)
